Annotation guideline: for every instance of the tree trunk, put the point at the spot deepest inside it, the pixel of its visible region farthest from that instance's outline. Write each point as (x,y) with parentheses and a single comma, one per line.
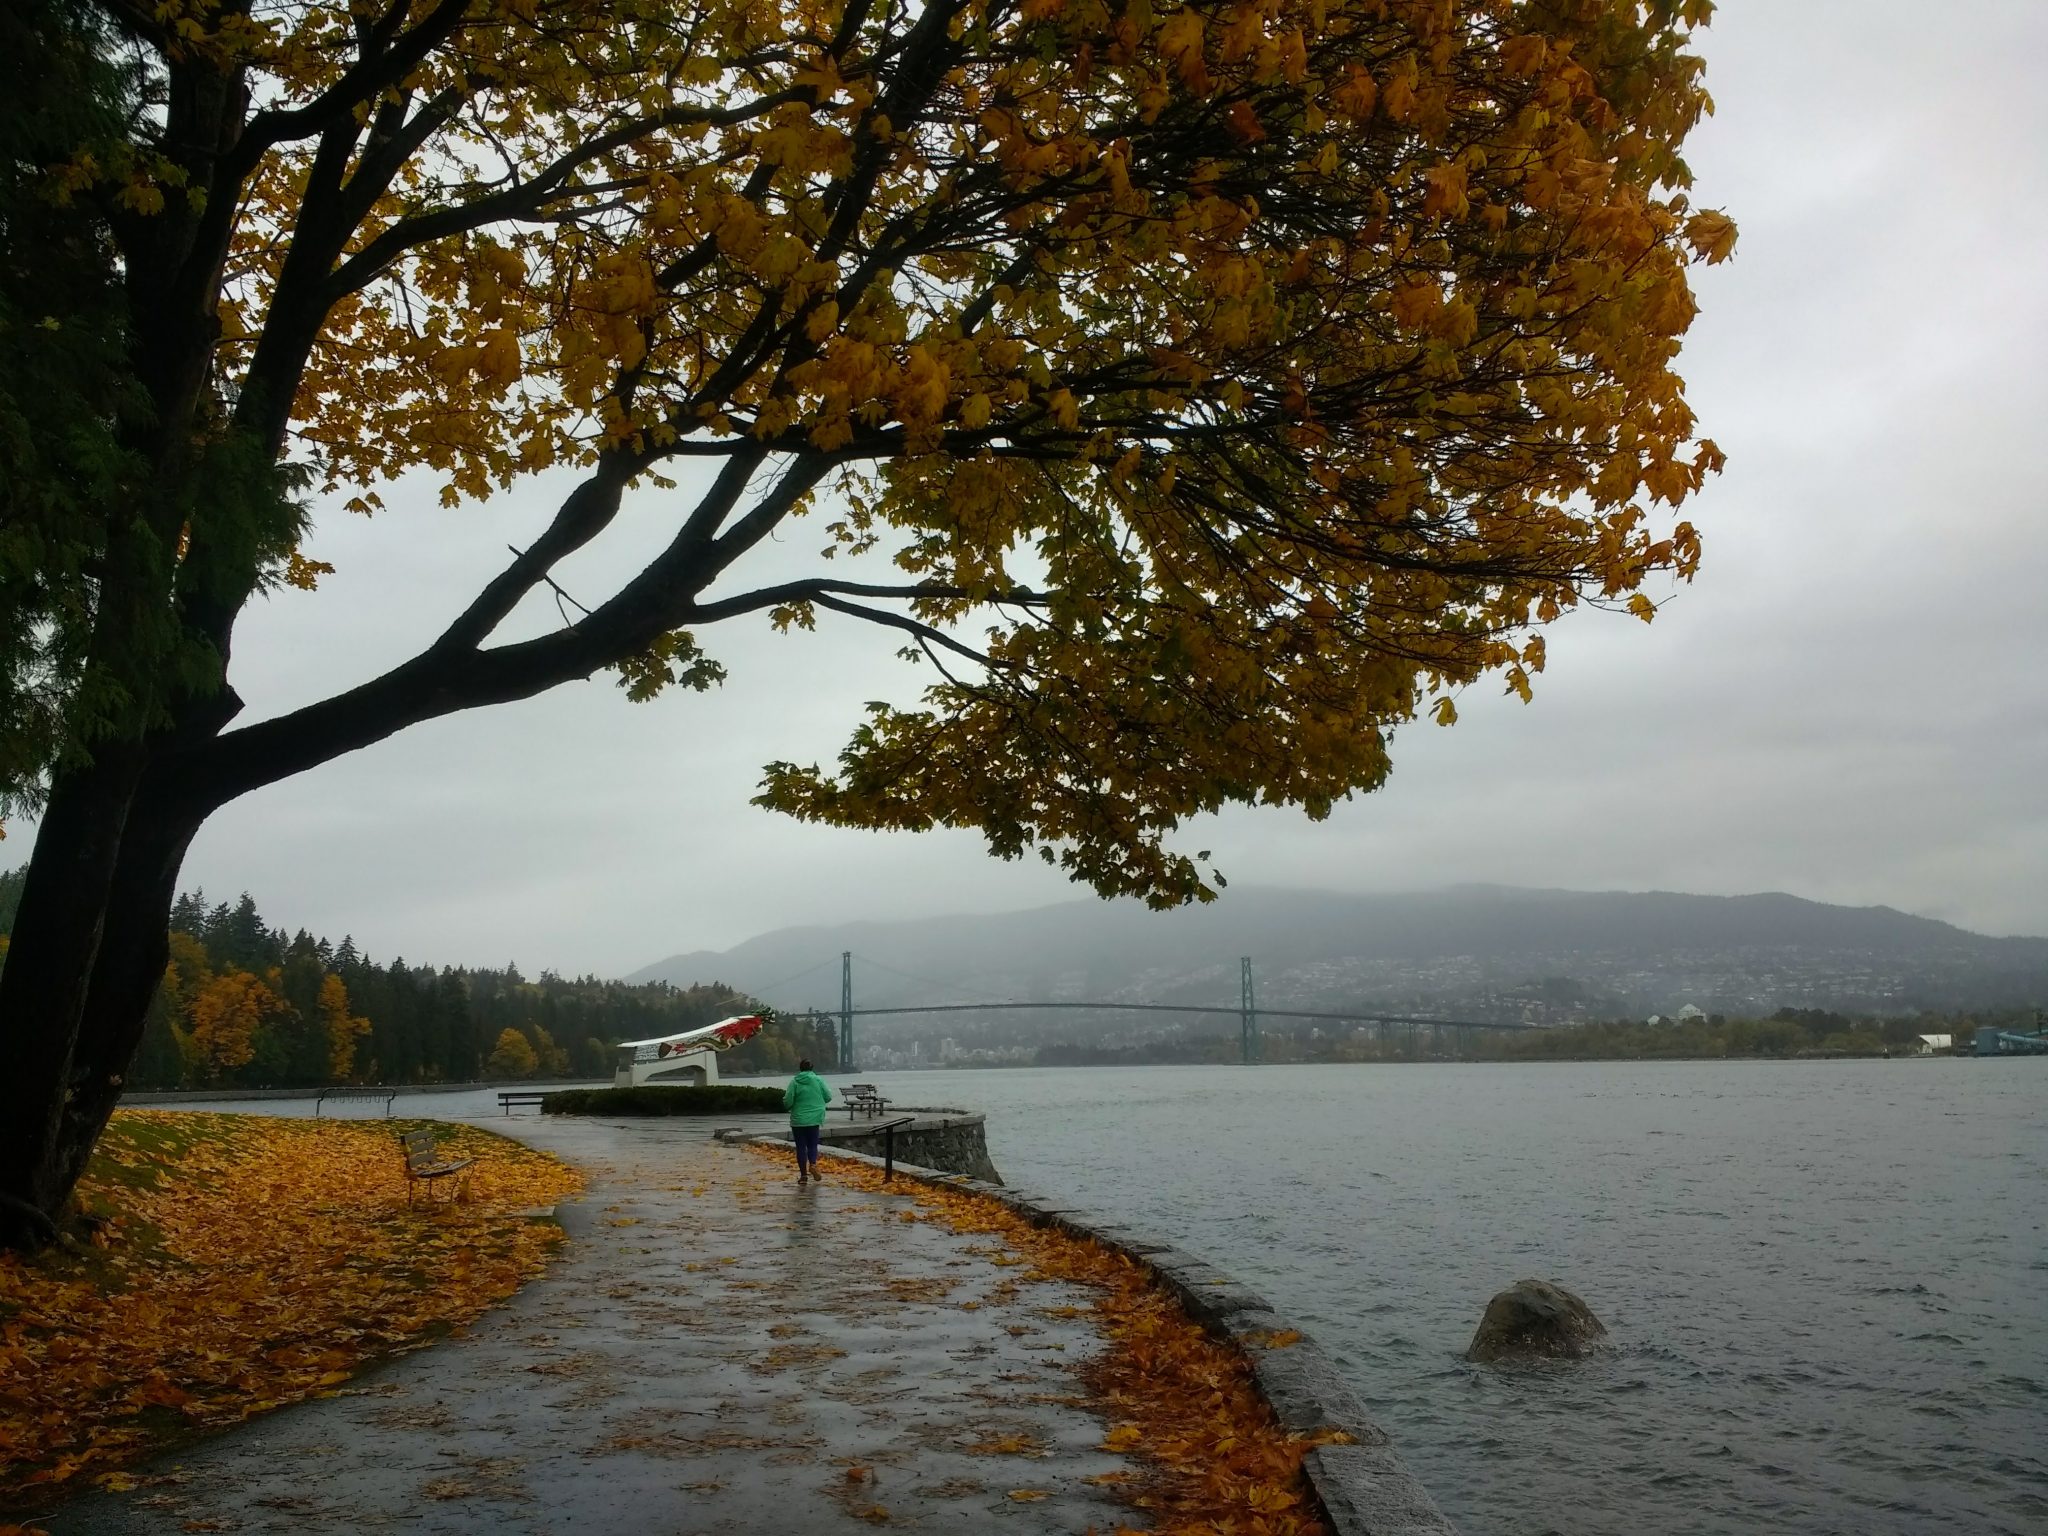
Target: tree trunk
(89,947)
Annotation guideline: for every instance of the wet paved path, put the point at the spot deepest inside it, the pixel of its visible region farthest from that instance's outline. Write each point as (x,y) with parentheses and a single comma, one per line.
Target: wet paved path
(715,1351)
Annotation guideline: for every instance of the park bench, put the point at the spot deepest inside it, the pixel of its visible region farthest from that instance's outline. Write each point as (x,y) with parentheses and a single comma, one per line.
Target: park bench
(507,1100)
(865,1099)
(424,1163)
(336,1095)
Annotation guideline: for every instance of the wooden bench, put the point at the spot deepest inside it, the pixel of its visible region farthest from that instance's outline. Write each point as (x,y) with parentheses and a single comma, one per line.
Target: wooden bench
(424,1163)
(339,1094)
(865,1098)
(507,1100)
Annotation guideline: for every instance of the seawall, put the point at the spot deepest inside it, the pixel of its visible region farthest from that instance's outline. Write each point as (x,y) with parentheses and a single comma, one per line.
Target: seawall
(937,1141)
(941,1140)
(1362,1489)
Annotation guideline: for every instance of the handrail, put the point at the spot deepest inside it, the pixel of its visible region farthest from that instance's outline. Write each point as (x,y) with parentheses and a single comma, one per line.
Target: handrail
(320,1099)
(888,1130)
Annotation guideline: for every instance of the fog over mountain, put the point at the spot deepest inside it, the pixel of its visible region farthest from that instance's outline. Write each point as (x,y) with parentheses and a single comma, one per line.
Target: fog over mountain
(1478,952)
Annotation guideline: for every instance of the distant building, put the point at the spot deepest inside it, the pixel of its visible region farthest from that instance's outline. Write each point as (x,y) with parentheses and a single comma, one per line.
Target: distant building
(1691,1015)
(1929,1044)
(1655,1020)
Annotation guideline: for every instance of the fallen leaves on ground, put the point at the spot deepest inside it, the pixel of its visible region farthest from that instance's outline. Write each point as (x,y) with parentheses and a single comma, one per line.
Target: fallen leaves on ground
(785,1357)
(239,1263)
(1278,1338)
(1217,1462)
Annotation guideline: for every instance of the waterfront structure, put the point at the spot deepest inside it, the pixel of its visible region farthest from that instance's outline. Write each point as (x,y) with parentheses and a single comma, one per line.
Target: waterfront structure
(689,1058)
(1993,1041)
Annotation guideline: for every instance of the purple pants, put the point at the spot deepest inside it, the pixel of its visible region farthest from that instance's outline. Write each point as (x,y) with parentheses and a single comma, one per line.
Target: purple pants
(806,1146)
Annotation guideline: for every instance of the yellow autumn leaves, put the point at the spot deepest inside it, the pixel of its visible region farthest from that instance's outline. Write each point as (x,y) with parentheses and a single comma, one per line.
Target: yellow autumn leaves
(1227,383)
(240,1263)
(720,204)
(217,1019)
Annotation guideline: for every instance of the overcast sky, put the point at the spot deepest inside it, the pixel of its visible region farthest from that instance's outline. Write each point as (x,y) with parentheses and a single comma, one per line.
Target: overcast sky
(1850,704)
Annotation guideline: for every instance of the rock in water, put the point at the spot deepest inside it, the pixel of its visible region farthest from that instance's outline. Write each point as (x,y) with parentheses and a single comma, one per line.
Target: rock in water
(1535,1320)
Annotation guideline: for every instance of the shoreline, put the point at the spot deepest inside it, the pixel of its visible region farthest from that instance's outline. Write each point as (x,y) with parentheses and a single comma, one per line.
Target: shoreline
(145,1098)
(150,1097)
(1361,1488)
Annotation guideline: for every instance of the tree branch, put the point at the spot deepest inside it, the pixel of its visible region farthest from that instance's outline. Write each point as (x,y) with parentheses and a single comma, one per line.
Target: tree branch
(515,202)
(908,625)
(585,513)
(447,678)
(380,64)
(820,590)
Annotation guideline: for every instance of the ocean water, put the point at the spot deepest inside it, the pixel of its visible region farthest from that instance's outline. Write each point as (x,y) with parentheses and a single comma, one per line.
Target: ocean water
(1826,1283)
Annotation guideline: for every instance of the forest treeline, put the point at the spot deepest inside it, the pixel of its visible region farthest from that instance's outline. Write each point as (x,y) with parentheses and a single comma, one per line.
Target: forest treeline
(1789,1033)
(243,1004)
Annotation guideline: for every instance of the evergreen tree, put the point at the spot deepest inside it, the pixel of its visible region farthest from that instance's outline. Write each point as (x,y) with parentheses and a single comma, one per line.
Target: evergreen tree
(66,397)
(242,1004)
(461,1056)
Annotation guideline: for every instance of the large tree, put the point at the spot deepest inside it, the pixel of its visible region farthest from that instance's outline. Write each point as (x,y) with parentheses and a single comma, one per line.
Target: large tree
(1200,389)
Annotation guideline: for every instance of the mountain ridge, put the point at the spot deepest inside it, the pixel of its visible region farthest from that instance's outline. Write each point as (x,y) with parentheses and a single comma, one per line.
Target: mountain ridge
(1471,944)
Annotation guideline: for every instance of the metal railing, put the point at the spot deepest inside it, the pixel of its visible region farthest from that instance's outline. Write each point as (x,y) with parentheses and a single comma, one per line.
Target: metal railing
(888,1130)
(337,1095)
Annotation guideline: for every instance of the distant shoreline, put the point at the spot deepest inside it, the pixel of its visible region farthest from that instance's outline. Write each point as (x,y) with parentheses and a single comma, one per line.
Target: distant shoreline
(1433,1061)
(227,1094)
(147,1099)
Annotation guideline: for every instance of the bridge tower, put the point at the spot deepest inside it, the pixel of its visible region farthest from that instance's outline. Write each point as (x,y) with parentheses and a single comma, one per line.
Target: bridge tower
(1248,1015)
(846,1011)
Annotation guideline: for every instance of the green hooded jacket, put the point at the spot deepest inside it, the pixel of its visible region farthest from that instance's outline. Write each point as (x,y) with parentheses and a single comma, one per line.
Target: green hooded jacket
(805,1098)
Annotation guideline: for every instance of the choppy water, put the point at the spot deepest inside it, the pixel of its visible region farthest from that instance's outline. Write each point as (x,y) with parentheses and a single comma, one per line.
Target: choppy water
(1827,1283)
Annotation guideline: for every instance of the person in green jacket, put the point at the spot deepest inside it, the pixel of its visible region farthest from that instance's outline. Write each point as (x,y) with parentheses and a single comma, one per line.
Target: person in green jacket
(805,1099)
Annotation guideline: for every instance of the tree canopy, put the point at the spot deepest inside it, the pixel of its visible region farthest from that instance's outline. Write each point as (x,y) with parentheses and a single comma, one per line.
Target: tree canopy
(1200,390)
(1215,385)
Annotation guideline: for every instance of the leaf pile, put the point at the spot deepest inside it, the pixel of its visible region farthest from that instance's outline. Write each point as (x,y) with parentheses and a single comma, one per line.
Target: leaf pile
(238,1263)
(1218,1463)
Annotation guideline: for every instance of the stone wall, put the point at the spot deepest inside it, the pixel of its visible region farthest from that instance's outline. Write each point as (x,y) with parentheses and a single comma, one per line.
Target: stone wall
(948,1141)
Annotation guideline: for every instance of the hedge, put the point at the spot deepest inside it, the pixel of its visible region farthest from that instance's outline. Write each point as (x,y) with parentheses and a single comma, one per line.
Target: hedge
(711,1099)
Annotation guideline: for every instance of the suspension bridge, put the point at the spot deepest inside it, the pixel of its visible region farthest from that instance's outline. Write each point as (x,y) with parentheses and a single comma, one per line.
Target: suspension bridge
(1247,1011)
